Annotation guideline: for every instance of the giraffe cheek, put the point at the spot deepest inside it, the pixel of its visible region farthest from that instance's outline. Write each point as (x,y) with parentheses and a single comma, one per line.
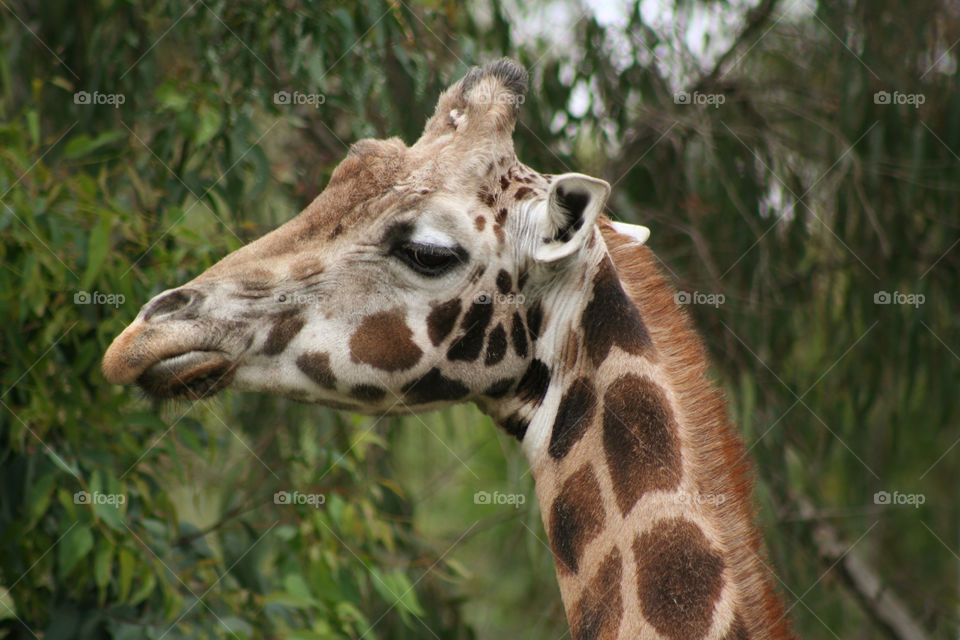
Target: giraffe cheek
(384,341)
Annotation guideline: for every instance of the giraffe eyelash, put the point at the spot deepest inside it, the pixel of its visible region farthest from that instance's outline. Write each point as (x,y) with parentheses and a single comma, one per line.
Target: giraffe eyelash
(429,260)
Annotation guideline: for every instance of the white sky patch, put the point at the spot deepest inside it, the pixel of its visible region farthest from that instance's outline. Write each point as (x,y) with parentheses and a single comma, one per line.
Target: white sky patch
(694,36)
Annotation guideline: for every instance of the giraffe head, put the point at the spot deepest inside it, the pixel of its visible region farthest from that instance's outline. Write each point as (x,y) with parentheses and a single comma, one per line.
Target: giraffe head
(416,279)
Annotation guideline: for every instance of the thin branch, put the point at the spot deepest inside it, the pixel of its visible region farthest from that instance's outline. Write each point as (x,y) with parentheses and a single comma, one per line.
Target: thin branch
(884,607)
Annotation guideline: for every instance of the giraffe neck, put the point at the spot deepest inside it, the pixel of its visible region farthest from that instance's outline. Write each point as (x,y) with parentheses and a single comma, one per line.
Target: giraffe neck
(641,480)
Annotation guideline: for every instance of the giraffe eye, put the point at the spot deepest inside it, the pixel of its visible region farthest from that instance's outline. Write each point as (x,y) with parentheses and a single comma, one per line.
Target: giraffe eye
(429,260)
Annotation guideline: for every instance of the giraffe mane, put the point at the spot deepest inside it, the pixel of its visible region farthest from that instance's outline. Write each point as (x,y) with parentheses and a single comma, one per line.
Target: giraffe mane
(720,461)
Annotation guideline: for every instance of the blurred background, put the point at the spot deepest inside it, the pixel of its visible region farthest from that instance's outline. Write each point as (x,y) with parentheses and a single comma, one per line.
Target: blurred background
(796,160)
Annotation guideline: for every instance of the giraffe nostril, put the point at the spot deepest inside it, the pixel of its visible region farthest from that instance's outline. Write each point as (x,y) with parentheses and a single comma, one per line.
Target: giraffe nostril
(170,302)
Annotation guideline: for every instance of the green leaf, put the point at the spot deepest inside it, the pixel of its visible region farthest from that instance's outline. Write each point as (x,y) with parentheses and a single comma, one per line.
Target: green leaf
(38,497)
(296,586)
(62,464)
(102,564)
(208,125)
(73,547)
(147,583)
(96,252)
(8,608)
(33,126)
(127,564)
(83,144)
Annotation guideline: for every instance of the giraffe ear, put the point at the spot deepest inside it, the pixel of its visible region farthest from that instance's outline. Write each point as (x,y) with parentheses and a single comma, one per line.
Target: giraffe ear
(567,219)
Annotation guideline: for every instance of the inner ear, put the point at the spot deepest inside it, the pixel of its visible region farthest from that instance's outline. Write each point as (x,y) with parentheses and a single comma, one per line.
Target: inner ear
(573,204)
(569,206)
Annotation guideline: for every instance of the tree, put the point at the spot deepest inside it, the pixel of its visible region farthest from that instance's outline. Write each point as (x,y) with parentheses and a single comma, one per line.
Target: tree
(797,172)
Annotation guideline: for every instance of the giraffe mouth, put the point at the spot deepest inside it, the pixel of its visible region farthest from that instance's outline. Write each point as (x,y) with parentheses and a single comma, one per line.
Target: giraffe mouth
(192,375)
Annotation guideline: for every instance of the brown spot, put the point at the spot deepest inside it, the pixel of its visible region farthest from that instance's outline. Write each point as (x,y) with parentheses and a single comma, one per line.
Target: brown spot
(679,579)
(639,439)
(500,388)
(522,280)
(470,344)
(533,385)
(317,367)
(576,518)
(516,426)
(737,630)
(496,345)
(500,216)
(596,616)
(501,236)
(523,192)
(486,197)
(504,183)
(368,392)
(535,320)
(441,320)
(287,325)
(433,386)
(337,230)
(518,331)
(571,351)
(574,415)
(610,318)
(478,273)
(504,282)
(384,341)
(480,222)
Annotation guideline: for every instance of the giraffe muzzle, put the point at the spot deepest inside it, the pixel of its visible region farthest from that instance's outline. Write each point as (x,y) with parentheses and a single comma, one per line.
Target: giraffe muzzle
(169,351)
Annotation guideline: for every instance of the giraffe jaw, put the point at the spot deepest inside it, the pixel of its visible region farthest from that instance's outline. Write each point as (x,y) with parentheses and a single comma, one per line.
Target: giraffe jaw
(192,375)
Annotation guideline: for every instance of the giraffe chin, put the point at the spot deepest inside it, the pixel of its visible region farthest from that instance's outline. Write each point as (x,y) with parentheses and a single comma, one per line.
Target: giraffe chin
(188,376)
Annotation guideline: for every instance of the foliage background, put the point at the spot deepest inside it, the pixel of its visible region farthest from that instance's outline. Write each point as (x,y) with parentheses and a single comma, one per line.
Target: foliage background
(799,199)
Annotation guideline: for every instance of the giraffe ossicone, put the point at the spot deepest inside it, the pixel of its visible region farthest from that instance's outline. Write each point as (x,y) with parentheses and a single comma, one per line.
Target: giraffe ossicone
(448,271)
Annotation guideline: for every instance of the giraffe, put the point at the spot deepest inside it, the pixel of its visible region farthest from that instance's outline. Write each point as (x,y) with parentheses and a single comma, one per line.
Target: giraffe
(448,271)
